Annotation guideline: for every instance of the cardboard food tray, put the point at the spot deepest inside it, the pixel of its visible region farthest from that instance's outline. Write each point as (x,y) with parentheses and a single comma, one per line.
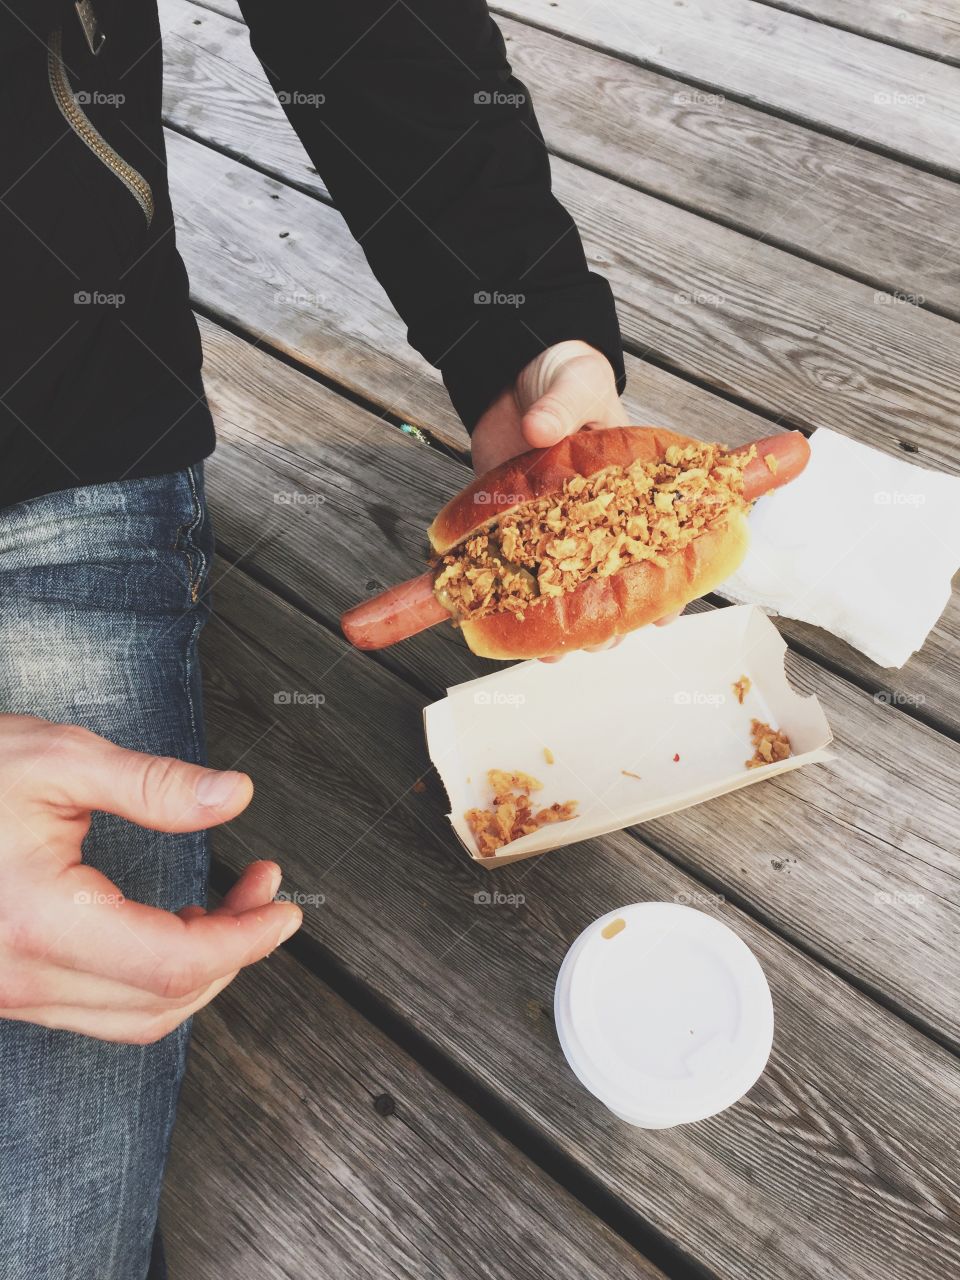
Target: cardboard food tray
(665,692)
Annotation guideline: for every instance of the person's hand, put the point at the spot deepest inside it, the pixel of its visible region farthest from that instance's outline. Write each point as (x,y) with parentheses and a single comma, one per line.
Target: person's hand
(567,387)
(74,954)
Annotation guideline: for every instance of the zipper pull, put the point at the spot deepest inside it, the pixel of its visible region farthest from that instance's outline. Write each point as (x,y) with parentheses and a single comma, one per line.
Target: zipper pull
(91,27)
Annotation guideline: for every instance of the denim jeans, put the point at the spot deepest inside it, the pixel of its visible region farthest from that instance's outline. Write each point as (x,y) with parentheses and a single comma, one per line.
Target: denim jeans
(102,598)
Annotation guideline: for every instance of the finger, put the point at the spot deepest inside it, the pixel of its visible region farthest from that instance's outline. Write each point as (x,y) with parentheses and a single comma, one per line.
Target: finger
(122,1026)
(607,644)
(154,791)
(86,927)
(553,657)
(579,391)
(32,983)
(258,884)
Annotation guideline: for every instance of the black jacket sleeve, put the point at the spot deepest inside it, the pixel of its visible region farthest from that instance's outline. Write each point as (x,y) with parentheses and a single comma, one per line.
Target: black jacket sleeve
(431,151)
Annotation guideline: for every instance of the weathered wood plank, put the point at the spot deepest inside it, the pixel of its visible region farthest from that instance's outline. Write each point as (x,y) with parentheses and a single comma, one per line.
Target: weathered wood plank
(859,862)
(845,207)
(839,1160)
(864,90)
(792,337)
(308,1144)
(932,27)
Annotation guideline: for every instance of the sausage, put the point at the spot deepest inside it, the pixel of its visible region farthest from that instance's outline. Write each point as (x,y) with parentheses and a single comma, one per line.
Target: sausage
(394,614)
(789,453)
(411,607)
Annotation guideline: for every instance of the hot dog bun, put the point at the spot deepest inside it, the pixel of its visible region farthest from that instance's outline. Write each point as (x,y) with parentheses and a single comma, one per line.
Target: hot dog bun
(602,608)
(540,472)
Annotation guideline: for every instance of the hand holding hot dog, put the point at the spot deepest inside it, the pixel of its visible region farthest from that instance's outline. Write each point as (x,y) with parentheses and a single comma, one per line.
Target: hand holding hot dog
(568,386)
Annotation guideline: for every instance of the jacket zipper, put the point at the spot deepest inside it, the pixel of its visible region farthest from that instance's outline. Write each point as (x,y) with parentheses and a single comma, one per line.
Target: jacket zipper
(85,129)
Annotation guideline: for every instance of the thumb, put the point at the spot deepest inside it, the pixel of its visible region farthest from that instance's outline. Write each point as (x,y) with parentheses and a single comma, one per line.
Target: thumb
(564,390)
(154,791)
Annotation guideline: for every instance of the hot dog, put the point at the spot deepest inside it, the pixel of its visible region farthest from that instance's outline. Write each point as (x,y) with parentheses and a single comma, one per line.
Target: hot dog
(573,545)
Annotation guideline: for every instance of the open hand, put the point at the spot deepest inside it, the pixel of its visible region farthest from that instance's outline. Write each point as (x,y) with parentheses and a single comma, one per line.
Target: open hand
(74,953)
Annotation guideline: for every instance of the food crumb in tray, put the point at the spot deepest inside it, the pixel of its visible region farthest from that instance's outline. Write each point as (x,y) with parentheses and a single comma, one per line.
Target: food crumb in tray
(512,815)
(769,745)
(548,755)
(628,773)
(741,688)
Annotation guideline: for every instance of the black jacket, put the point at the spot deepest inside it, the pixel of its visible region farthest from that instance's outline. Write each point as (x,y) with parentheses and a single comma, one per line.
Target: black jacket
(428,145)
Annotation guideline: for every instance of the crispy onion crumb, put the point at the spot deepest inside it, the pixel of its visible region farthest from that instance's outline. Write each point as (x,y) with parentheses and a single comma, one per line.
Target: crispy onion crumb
(741,688)
(769,745)
(513,814)
(592,528)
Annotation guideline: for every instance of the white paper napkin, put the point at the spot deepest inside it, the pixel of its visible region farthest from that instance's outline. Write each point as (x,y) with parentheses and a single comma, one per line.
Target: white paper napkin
(861,543)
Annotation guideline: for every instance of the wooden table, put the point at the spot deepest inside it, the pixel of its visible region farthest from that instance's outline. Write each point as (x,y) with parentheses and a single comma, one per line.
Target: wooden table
(386,1097)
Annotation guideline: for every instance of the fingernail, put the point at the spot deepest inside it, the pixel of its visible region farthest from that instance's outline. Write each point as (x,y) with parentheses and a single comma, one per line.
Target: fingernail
(290,928)
(550,424)
(276,878)
(216,789)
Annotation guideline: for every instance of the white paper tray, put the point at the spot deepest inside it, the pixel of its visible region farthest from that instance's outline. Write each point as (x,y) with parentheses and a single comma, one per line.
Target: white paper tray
(665,691)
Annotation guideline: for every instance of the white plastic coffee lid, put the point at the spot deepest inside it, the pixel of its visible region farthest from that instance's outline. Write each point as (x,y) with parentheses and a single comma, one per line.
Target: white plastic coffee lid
(663,1013)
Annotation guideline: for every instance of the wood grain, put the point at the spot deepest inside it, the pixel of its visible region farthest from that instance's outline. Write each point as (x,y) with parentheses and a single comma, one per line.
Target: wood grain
(866,91)
(308,1144)
(845,207)
(806,346)
(856,861)
(839,1160)
(932,27)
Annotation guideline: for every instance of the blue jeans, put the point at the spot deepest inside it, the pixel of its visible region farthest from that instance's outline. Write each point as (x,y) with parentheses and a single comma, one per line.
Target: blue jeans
(102,598)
